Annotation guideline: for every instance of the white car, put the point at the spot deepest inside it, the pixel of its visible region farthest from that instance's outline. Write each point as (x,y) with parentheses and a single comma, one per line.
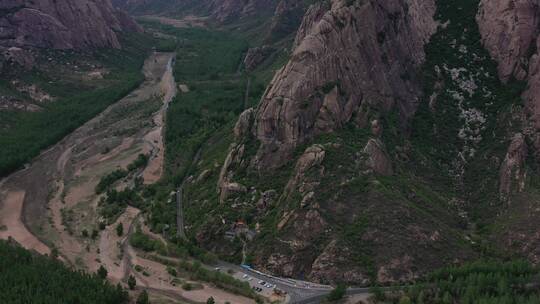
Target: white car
(245,276)
(250,279)
(268,286)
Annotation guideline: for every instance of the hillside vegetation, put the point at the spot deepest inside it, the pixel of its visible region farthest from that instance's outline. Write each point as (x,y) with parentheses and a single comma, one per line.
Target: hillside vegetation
(76,98)
(26,277)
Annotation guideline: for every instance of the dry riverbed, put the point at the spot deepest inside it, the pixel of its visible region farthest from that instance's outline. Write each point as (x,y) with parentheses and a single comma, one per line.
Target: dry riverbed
(53,204)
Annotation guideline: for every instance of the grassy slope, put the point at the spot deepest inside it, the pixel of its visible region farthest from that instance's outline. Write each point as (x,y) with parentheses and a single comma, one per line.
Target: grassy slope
(24,134)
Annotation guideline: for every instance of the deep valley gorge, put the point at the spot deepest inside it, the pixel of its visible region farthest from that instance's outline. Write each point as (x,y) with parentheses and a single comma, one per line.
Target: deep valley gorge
(269,151)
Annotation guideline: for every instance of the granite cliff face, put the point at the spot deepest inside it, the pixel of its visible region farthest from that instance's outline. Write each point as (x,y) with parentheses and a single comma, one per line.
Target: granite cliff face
(68,24)
(350,62)
(510,33)
(353,62)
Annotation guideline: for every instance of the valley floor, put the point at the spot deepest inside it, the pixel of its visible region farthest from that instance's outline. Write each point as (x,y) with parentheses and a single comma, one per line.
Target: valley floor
(52,204)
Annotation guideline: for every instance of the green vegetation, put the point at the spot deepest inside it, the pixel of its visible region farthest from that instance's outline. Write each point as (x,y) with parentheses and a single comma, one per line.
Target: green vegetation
(132,282)
(456,56)
(102,272)
(483,282)
(120,229)
(143,298)
(108,180)
(30,278)
(23,134)
(337,293)
(144,242)
(196,271)
(115,202)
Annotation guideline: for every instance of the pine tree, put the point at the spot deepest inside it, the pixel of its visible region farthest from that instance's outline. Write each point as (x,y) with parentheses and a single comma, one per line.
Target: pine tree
(120,229)
(132,282)
(143,298)
(102,272)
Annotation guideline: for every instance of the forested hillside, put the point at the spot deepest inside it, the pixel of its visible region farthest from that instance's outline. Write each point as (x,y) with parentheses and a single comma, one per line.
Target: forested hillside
(27,278)
(64,90)
(483,282)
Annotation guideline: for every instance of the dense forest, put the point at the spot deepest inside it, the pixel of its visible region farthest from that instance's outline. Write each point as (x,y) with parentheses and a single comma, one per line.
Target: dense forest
(24,134)
(26,277)
(481,282)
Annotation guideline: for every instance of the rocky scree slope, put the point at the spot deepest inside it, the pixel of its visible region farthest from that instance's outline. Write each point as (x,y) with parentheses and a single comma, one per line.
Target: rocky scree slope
(68,24)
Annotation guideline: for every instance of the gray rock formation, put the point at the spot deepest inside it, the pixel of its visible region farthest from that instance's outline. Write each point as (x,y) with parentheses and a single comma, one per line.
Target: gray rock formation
(512,173)
(67,24)
(348,57)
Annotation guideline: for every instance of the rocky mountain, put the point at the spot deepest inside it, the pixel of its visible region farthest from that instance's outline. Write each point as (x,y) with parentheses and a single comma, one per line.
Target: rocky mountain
(70,24)
(391,142)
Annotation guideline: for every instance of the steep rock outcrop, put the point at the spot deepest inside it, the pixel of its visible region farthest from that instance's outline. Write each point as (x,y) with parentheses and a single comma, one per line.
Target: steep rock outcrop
(509,30)
(512,172)
(256,56)
(286,20)
(68,24)
(348,58)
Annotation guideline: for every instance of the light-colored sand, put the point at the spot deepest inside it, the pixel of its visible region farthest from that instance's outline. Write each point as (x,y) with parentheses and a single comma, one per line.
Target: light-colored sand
(219,296)
(110,246)
(10,220)
(154,139)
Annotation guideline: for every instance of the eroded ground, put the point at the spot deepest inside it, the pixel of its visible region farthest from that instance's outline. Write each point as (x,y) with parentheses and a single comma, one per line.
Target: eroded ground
(53,202)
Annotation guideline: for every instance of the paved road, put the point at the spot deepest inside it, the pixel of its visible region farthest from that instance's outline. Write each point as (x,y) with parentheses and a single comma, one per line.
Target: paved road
(297,291)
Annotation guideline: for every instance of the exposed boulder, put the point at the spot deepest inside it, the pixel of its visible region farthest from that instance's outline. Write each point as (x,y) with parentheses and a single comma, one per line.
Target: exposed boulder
(226,186)
(19,56)
(256,56)
(312,158)
(243,125)
(228,189)
(378,159)
(512,173)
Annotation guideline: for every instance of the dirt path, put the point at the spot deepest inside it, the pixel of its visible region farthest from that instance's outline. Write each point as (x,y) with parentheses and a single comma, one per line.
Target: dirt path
(153,171)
